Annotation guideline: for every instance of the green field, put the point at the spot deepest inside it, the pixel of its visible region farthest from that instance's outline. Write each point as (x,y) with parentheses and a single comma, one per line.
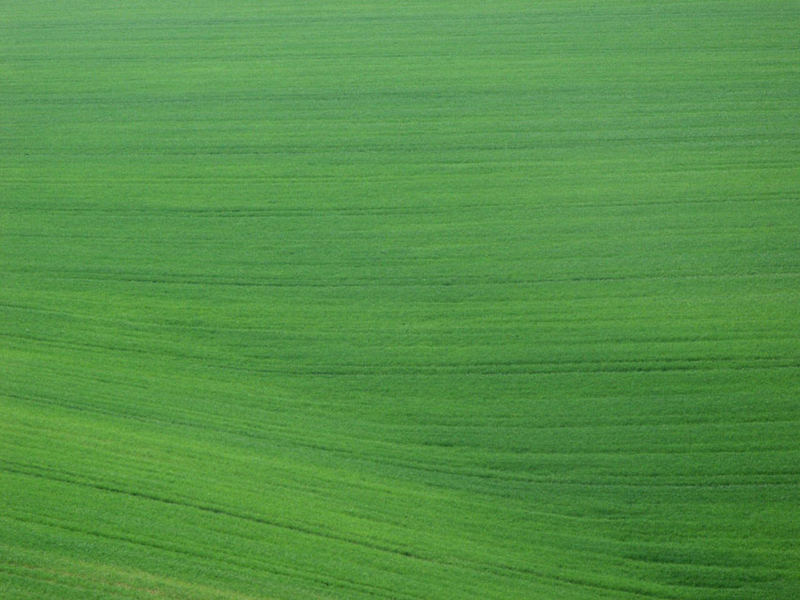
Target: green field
(417,300)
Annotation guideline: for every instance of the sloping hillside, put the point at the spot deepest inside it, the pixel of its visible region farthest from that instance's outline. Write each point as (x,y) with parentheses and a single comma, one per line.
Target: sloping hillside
(411,300)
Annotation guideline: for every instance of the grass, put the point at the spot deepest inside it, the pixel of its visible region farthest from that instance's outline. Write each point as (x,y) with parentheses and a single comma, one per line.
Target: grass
(409,300)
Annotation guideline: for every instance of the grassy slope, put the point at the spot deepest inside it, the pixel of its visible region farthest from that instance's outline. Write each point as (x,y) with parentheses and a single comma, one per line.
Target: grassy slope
(405,300)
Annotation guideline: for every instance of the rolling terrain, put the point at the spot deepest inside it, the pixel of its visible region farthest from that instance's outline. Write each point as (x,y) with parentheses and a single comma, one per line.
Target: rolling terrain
(411,300)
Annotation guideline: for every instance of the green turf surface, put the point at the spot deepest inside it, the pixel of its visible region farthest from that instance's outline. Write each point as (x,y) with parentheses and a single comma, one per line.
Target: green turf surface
(413,300)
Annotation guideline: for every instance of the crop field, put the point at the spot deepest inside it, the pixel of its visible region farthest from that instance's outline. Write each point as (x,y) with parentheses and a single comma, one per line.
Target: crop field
(407,300)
